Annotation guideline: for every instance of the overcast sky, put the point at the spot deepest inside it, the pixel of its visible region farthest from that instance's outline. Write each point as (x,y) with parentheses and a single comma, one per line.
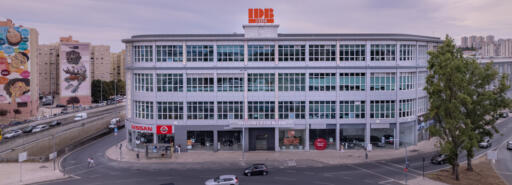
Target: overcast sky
(109,21)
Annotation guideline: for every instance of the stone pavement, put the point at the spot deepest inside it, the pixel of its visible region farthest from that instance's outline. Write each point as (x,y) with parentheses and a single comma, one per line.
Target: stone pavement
(281,159)
(32,172)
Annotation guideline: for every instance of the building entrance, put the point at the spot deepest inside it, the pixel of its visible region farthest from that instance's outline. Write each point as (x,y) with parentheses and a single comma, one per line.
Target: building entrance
(261,139)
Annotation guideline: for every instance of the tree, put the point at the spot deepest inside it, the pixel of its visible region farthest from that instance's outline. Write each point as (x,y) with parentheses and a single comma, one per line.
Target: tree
(445,84)
(73,100)
(485,102)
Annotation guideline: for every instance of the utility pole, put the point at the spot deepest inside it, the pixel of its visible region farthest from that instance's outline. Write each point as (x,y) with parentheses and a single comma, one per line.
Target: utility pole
(406,164)
(101,91)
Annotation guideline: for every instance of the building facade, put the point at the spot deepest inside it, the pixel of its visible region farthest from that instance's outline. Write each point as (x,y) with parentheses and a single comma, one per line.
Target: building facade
(263,90)
(118,72)
(101,63)
(19,72)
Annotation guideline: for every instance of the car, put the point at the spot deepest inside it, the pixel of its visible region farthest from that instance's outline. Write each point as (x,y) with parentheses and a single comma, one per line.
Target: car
(439,159)
(54,123)
(12,133)
(223,179)
(376,141)
(389,139)
(503,115)
(60,105)
(256,169)
(40,128)
(485,143)
(14,123)
(80,116)
(509,145)
(28,129)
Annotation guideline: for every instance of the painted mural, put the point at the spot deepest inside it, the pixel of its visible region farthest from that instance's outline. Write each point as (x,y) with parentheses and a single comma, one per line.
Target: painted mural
(74,66)
(14,65)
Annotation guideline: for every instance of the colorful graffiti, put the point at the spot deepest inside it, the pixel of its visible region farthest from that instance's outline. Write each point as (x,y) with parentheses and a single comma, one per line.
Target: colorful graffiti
(74,67)
(14,64)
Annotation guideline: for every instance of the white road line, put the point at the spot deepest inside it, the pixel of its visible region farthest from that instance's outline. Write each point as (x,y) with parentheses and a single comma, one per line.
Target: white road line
(386,181)
(285,178)
(374,173)
(396,165)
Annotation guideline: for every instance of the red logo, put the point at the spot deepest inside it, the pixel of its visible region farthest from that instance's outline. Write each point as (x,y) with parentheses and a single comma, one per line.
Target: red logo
(142,128)
(163,129)
(260,15)
(320,144)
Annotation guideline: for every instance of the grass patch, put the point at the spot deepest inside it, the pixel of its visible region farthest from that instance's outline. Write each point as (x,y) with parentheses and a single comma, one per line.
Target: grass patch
(483,173)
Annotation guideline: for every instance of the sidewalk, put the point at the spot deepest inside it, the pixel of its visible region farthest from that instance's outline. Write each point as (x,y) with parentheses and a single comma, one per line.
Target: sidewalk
(281,159)
(31,173)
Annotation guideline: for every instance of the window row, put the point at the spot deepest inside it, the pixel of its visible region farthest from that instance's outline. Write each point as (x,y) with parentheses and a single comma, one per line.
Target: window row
(286,52)
(234,110)
(265,82)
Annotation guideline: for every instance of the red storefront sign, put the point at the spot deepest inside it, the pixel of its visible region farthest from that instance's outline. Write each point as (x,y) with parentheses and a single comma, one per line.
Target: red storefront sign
(320,144)
(142,128)
(260,15)
(163,129)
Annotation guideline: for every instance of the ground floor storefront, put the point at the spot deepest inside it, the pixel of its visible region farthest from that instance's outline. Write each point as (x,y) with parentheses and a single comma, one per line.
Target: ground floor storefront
(291,137)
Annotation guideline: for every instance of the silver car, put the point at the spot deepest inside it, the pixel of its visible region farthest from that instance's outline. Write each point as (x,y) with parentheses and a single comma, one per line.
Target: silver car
(485,143)
(509,145)
(12,133)
(223,179)
(40,128)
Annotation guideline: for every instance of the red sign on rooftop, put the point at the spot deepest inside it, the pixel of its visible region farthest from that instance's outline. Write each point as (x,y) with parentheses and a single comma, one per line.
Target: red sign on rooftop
(260,15)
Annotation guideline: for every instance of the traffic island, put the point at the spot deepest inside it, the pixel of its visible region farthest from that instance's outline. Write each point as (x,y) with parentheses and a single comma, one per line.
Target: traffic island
(483,173)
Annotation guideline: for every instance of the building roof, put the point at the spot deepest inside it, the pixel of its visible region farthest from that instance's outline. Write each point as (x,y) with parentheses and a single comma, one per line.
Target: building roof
(283,37)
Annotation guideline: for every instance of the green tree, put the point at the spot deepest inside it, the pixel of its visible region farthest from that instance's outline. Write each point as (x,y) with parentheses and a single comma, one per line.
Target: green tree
(486,100)
(445,84)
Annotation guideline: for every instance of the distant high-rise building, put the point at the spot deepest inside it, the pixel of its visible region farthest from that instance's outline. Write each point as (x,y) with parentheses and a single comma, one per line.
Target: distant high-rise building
(48,63)
(464,42)
(101,63)
(471,41)
(489,39)
(118,65)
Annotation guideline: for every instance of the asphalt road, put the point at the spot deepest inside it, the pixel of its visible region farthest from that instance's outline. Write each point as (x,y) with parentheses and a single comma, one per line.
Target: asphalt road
(388,172)
(503,164)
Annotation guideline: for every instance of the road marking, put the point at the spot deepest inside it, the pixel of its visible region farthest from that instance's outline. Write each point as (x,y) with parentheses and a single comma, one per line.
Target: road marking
(399,166)
(326,183)
(386,181)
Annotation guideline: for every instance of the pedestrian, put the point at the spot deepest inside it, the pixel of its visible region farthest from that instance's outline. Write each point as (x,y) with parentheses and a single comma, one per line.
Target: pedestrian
(137,155)
(179,149)
(92,162)
(88,162)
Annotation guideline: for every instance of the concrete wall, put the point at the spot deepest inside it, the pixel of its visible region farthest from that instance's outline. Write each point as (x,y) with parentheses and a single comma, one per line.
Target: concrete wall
(39,146)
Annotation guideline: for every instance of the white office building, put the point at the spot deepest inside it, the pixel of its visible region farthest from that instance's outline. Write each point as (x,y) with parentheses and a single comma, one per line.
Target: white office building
(265,90)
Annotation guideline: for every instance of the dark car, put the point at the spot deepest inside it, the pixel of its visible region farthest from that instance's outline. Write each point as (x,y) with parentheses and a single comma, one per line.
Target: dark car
(14,123)
(54,123)
(28,129)
(503,114)
(60,105)
(439,159)
(376,141)
(389,139)
(256,169)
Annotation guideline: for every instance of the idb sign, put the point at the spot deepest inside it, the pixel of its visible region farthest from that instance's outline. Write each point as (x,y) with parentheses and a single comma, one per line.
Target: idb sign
(260,15)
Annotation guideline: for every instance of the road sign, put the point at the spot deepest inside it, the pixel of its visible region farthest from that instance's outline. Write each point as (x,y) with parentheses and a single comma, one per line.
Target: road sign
(115,131)
(22,156)
(53,155)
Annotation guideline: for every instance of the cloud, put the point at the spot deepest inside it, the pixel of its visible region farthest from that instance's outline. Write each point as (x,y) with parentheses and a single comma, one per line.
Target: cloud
(109,21)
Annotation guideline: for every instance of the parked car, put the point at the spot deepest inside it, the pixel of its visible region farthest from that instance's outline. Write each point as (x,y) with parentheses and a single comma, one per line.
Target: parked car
(485,143)
(40,128)
(376,141)
(223,179)
(256,169)
(439,159)
(509,145)
(54,123)
(80,116)
(503,114)
(28,129)
(60,105)
(12,133)
(115,123)
(14,123)
(389,139)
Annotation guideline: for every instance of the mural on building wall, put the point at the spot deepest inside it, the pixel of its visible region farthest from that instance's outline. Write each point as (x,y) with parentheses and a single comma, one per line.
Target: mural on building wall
(74,66)
(14,65)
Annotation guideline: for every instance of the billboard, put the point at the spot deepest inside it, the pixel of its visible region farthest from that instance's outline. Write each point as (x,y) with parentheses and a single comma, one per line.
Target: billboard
(14,65)
(75,78)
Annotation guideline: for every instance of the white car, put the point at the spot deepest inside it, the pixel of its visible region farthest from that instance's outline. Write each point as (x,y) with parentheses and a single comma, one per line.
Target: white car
(80,116)
(40,128)
(12,133)
(223,179)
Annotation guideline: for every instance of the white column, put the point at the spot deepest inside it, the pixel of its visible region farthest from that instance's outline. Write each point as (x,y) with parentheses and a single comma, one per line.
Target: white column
(337,137)
(276,140)
(307,137)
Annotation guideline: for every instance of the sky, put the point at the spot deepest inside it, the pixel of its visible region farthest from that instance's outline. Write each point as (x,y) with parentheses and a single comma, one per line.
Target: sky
(107,22)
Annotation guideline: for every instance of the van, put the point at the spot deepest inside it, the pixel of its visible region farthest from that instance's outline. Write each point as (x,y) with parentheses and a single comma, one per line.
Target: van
(115,123)
(80,116)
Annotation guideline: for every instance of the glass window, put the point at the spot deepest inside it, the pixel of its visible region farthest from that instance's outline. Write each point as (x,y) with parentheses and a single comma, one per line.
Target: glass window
(382,81)
(143,53)
(407,52)
(422,77)
(406,107)
(292,53)
(170,110)
(329,135)
(230,84)
(230,110)
(352,109)
(292,139)
(322,53)
(261,109)
(352,81)
(382,52)
(382,109)
(407,80)
(200,84)
(143,109)
(200,110)
(322,81)
(200,140)
(230,53)
(261,53)
(352,52)
(322,110)
(422,105)
(422,52)
(169,82)
(292,81)
(143,82)
(261,82)
(169,53)
(199,53)
(230,140)
(292,110)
